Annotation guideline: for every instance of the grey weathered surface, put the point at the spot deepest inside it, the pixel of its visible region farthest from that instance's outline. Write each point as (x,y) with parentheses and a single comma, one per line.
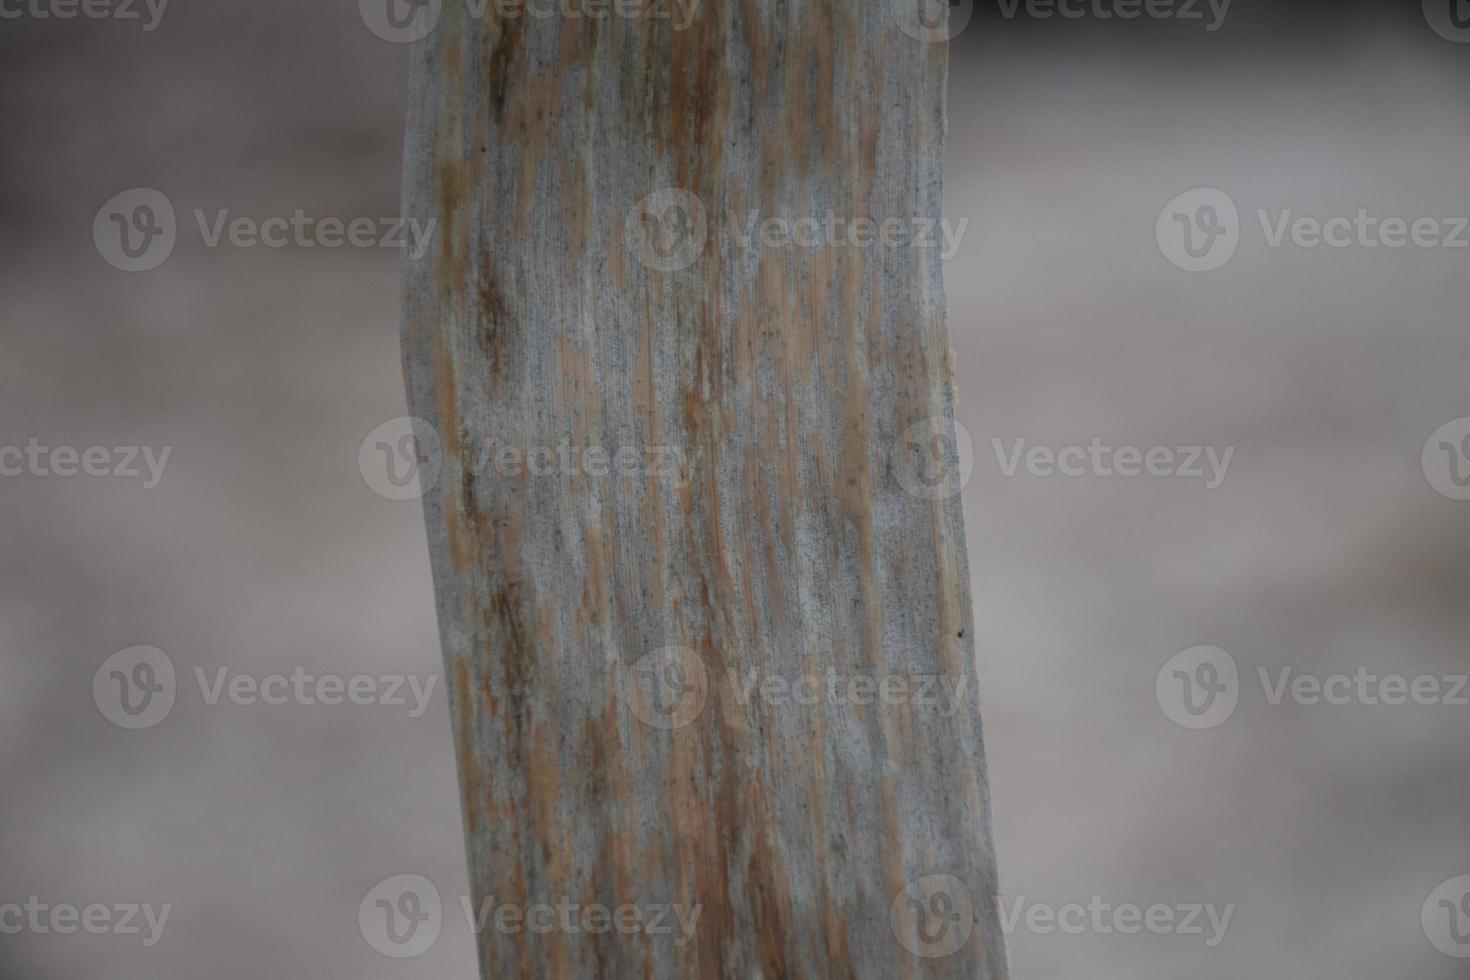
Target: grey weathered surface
(592,622)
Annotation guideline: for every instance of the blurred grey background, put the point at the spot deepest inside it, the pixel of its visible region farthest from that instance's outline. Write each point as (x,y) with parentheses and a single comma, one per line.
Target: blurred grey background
(1325,549)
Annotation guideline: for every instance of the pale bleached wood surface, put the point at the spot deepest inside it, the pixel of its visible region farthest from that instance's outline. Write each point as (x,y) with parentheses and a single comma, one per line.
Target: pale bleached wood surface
(601,623)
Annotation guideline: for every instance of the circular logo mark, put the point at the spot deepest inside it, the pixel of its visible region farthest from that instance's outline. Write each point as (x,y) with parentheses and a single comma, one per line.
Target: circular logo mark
(1199,688)
(935,458)
(1446,459)
(667,688)
(400,21)
(135,688)
(934,916)
(666,230)
(401,916)
(401,459)
(1199,230)
(1450,19)
(1446,918)
(933,20)
(135,231)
